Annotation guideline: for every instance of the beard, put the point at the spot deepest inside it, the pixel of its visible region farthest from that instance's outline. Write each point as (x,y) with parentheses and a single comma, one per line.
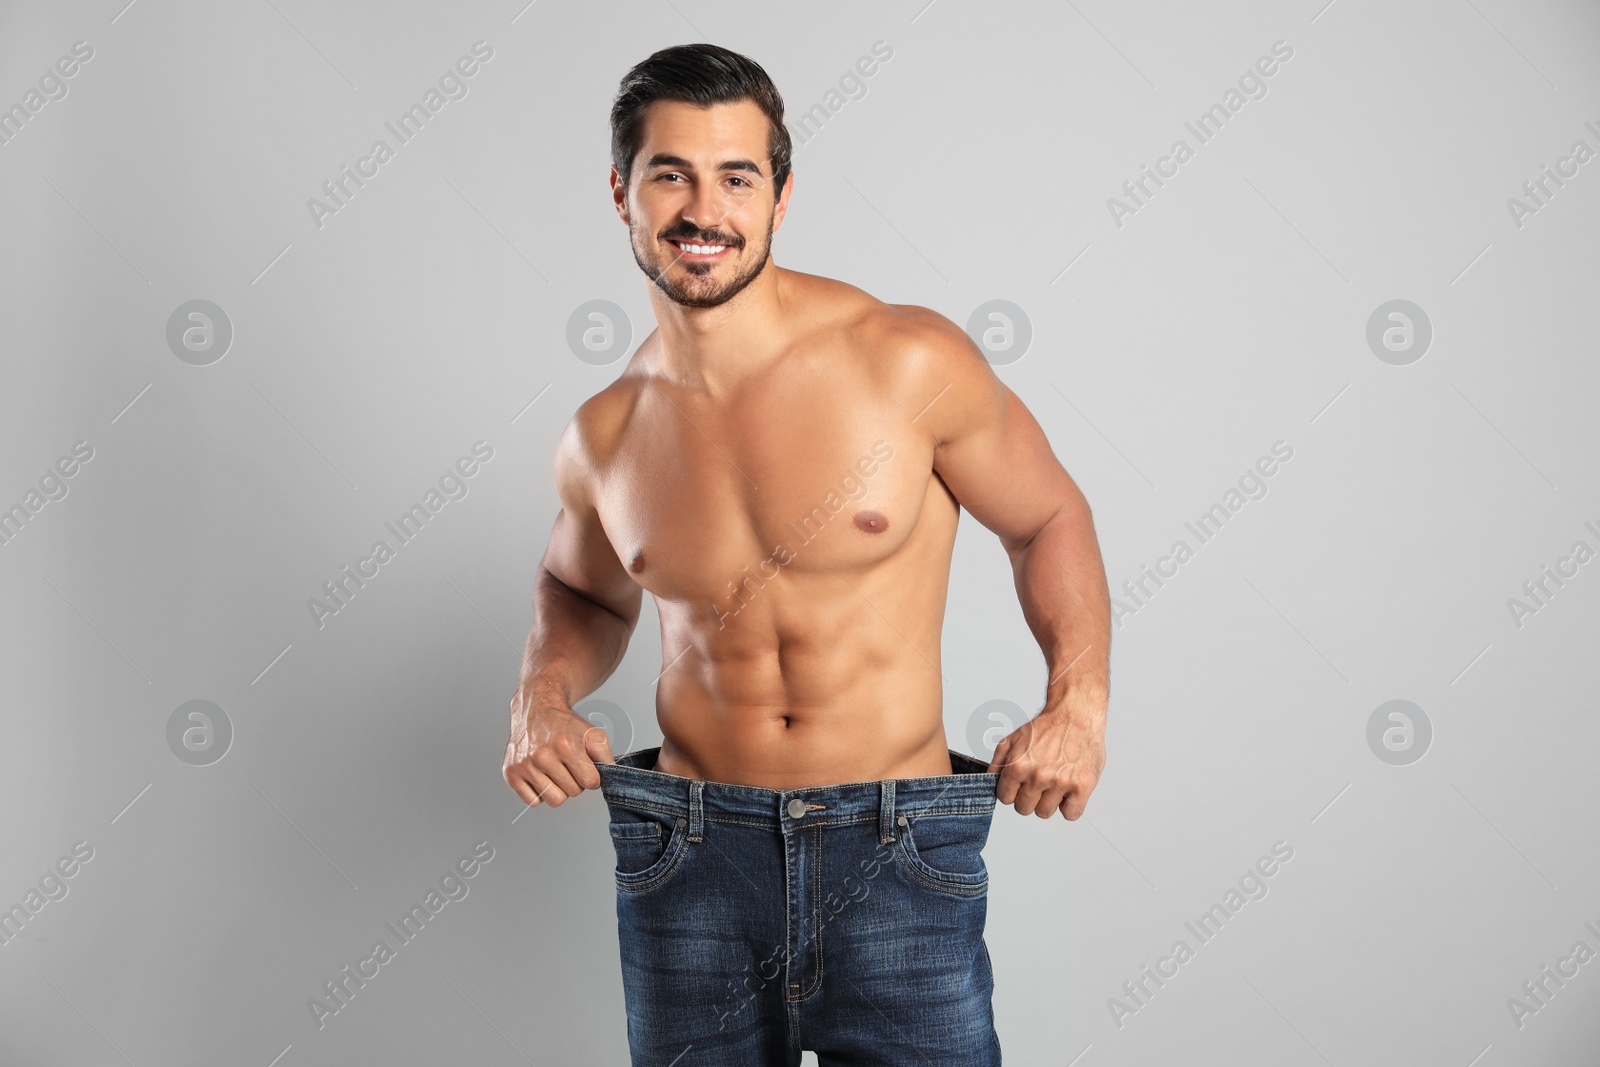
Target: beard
(698,290)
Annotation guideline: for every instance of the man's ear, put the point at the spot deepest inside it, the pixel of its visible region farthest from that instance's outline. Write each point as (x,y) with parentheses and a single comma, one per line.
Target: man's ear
(782,207)
(619,194)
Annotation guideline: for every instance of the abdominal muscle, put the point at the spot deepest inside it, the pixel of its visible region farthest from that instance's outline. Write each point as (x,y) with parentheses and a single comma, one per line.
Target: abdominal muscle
(806,687)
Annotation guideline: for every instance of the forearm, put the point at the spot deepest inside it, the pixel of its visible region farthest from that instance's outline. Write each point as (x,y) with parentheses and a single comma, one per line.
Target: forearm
(574,645)
(1061,583)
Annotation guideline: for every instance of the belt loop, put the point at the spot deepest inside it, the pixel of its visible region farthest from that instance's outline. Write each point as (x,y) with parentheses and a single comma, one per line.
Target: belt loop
(886,811)
(696,810)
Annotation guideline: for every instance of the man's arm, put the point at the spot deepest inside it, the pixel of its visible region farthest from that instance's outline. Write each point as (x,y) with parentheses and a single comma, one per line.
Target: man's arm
(992,454)
(585,607)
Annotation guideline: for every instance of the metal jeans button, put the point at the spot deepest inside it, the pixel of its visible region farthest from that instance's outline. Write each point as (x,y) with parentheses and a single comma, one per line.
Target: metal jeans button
(797,808)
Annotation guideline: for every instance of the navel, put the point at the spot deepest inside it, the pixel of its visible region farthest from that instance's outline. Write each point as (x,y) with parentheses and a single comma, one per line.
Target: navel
(871,521)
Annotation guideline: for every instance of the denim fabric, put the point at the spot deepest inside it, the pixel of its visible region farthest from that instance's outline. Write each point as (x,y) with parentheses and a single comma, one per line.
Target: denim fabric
(845,919)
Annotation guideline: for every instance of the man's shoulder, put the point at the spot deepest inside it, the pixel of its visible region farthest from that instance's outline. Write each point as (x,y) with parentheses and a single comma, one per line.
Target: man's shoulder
(913,348)
(912,330)
(887,333)
(595,431)
(917,356)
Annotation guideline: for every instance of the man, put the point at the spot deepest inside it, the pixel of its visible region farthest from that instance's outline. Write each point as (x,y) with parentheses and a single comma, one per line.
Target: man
(782,464)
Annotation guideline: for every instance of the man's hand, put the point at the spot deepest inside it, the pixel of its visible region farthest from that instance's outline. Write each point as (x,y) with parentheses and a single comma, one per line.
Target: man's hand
(1051,763)
(553,750)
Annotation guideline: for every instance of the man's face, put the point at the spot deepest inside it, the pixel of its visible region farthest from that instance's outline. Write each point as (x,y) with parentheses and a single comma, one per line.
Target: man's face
(700,206)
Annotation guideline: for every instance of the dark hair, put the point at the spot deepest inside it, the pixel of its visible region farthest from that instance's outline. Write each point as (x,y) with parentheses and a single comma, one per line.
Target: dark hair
(702,75)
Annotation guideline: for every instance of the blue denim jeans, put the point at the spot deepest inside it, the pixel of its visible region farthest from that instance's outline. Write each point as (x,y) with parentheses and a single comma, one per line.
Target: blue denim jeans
(844,919)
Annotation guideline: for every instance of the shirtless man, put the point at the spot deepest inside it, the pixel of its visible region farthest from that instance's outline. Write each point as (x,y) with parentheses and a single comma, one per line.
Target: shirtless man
(782,464)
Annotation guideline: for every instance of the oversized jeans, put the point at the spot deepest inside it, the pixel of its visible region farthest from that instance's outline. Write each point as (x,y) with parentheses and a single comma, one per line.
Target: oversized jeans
(844,919)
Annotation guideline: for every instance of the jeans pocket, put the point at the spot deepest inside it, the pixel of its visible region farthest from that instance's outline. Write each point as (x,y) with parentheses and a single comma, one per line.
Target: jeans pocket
(945,853)
(649,846)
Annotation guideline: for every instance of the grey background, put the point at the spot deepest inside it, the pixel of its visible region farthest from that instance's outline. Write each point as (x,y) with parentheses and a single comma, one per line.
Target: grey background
(369,354)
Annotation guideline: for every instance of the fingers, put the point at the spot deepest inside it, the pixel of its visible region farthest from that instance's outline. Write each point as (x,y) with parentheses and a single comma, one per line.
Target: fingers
(532,786)
(1050,802)
(1042,790)
(535,784)
(565,767)
(576,759)
(551,758)
(1006,788)
(516,775)
(544,789)
(1013,761)
(1058,779)
(1045,770)
(1012,749)
(1027,788)
(1027,799)
(520,787)
(597,745)
(1073,806)
(552,764)
(1024,783)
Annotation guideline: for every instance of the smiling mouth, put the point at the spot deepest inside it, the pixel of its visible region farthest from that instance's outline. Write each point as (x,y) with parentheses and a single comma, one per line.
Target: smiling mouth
(694,251)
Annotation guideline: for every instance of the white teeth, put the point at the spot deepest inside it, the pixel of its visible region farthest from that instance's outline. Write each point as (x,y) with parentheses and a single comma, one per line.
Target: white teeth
(702,250)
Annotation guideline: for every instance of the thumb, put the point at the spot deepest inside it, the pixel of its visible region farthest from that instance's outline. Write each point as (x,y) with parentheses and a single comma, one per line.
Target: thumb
(597,744)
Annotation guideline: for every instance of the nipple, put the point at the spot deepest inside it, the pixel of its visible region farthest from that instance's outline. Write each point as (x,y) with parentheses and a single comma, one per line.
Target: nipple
(871,521)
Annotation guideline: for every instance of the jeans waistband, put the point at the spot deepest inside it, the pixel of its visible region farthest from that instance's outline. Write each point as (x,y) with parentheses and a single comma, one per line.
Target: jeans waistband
(631,782)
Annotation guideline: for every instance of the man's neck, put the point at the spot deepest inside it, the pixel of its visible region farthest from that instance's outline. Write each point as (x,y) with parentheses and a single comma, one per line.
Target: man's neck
(718,348)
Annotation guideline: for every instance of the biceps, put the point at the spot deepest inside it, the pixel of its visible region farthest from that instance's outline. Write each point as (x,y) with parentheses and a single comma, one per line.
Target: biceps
(581,556)
(1004,472)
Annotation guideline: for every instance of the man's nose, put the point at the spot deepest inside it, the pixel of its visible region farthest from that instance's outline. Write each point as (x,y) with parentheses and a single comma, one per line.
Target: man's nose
(707,208)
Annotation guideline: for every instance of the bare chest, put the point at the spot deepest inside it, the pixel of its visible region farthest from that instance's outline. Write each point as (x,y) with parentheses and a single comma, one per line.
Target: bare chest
(700,497)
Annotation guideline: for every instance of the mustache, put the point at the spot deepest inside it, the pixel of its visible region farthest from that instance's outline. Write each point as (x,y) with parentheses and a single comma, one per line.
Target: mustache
(702,237)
